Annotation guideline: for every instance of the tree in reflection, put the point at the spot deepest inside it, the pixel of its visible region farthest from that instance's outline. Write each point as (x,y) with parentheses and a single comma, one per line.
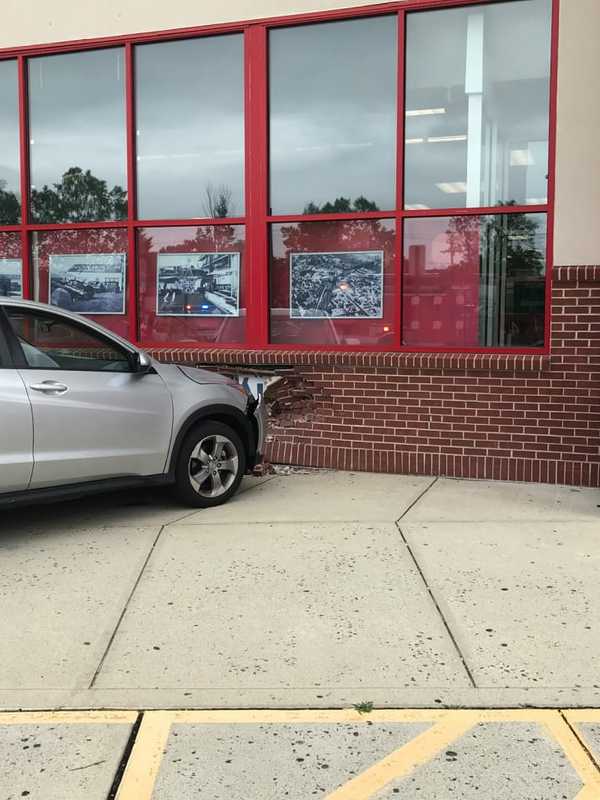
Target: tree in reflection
(218,201)
(500,258)
(79,197)
(341,205)
(10,207)
(511,238)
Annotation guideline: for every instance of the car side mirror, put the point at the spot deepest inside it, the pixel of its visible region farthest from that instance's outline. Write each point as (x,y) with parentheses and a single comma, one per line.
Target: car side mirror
(142,363)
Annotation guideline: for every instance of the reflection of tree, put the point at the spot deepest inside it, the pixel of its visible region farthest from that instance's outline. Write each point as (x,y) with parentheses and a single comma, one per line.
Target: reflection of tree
(10,208)
(515,235)
(79,197)
(217,201)
(499,257)
(341,205)
(511,235)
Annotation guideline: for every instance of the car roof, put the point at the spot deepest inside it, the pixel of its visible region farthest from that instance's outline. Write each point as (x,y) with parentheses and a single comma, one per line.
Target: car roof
(31,304)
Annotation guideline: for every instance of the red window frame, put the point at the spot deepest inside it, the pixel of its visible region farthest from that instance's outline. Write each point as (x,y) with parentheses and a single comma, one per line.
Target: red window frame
(257,220)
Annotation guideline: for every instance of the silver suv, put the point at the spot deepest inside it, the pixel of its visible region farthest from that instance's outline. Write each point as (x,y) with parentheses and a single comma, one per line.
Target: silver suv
(82,410)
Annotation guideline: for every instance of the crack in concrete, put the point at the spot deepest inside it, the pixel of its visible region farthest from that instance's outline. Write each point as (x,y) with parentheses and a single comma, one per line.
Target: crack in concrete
(125,607)
(434,600)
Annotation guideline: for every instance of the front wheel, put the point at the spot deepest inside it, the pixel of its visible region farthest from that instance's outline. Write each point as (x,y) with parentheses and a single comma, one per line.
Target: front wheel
(210,465)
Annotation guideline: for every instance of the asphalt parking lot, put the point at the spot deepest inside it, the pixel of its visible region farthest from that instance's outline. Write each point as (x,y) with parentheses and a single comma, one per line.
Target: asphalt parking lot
(314,592)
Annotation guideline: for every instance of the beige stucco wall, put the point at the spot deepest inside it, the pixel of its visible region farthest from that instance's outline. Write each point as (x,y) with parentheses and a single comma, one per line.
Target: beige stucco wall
(38,21)
(577,232)
(577,227)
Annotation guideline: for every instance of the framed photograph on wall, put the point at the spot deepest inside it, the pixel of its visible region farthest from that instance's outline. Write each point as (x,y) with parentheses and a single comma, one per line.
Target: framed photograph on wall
(91,283)
(344,285)
(198,284)
(11,277)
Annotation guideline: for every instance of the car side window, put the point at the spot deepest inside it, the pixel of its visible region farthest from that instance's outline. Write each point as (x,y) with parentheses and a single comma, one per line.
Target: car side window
(53,342)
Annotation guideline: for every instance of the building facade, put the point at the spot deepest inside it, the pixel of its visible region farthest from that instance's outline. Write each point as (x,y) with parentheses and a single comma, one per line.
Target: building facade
(393,209)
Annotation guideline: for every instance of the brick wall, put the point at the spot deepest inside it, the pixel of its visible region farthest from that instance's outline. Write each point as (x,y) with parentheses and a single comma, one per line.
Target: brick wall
(531,418)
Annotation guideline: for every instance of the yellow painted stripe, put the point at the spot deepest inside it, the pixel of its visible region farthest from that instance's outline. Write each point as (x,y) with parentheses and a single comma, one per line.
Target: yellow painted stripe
(407,758)
(146,756)
(266,716)
(591,715)
(66,717)
(581,762)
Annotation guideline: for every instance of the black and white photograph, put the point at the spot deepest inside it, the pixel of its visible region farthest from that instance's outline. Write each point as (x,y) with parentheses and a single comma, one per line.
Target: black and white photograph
(11,277)
(88,283)
(345,285)
(198,284)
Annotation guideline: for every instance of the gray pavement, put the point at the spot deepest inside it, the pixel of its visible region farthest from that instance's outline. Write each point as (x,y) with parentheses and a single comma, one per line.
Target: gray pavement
(308,591)
(61,761)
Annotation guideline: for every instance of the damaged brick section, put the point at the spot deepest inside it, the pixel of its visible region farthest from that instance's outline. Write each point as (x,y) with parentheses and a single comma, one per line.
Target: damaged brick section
(529,417)
(289,399)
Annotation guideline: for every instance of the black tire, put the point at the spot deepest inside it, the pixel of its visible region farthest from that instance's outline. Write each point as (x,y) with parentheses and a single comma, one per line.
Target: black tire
(191,487)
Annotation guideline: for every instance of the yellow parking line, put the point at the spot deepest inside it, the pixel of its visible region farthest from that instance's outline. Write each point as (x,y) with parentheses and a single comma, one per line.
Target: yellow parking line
(283,717)
(447,726)
(145,757)
(407,758)
(66,717)
(581,762)
(590,715)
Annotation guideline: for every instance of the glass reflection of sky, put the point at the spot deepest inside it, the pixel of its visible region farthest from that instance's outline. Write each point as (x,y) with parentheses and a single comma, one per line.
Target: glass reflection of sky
(77,116)
(333,113)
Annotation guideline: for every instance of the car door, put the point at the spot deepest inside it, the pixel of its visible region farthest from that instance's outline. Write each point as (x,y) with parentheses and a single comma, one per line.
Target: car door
(16,424)
(94,417)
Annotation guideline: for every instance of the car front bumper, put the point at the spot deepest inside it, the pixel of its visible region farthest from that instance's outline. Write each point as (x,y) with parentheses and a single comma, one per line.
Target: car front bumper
(257,411)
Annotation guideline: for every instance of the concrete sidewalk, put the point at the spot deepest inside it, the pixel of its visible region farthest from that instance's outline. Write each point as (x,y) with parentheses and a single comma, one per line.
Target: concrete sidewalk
(315,590)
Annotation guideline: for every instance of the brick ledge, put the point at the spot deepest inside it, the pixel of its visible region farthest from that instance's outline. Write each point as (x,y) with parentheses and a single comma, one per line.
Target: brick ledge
(319,358)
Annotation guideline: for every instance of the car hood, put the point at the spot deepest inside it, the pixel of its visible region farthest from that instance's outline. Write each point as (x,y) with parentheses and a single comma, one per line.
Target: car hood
(204,375)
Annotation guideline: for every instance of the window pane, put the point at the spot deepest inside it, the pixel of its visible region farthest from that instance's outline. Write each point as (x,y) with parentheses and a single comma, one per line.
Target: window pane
(474,281)
(50,342)
(77,128)
(11,265)
(191,284)
(333,116)
(477,103)
(10,193)
(84,271)
(190,128)
(333,282)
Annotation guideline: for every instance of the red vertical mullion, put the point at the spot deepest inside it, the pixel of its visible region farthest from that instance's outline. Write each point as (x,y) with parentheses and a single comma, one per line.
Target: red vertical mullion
(24,174)
(399,255)
(256,270)
(132,283)
(551,173)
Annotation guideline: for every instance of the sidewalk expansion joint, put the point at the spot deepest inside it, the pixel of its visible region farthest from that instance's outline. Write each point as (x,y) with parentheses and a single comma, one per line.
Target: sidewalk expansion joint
(125,607)
(125,757)
(418,498)
(437,607)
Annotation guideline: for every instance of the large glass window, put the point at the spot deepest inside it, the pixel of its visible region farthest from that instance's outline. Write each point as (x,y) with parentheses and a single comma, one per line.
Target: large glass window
(84,271)
(77,137)
(333,116)
(333,283)
(455,258)
(190,128)
(477,99)
(10,193)
(474,281)
(191,286)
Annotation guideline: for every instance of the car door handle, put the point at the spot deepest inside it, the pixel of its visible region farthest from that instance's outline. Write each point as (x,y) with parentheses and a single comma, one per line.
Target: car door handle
(49,387)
